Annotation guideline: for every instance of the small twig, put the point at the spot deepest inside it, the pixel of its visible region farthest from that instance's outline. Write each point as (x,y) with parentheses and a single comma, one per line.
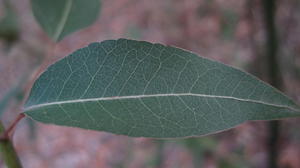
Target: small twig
(9,131)
(275,77)
(8,152)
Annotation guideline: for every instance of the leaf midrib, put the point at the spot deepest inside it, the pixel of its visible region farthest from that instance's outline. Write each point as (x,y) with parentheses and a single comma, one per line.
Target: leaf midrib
(156,95)
(64,18)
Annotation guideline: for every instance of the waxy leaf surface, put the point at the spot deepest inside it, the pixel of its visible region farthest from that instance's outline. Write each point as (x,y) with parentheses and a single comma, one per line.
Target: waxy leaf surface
(140,89)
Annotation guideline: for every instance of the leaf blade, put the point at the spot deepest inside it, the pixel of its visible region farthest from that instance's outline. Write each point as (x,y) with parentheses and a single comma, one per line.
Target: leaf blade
(59,18)
(142,89)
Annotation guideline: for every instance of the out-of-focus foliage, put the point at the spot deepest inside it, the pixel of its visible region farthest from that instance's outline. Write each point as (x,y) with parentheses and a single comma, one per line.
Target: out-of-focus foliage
(62,17)
(9,28)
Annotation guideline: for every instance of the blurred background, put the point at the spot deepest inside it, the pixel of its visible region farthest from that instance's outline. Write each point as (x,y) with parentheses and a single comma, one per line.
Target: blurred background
(235,32)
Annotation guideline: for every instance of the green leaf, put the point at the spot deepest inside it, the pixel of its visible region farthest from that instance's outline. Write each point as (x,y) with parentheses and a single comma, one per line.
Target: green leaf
(62,17)
(140,89)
